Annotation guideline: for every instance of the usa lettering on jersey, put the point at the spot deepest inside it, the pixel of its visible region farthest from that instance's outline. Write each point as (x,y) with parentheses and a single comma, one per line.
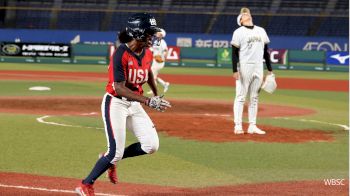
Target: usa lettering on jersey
(138,76)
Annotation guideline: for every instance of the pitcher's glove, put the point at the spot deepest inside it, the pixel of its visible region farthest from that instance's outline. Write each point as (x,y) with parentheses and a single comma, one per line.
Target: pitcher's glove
(158,103)
(158,59)
(269,85)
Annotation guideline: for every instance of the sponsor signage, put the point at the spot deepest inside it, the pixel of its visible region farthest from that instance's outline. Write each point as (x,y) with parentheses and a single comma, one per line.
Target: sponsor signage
(337,58)
(173,54)
(224,56)
(278,56)
(35,49)
(198,40)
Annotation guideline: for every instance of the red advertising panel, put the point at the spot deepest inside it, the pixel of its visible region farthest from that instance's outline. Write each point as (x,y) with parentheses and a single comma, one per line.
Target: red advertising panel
(278,56)
(173,54)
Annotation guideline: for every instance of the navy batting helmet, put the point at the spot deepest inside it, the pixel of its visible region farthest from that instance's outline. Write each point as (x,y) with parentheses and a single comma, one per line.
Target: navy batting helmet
(141,24)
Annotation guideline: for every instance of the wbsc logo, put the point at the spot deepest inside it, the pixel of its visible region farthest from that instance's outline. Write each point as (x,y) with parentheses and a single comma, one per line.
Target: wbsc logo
(334,182)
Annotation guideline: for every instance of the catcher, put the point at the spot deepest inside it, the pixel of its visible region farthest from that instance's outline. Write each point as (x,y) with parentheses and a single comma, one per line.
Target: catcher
(160,51)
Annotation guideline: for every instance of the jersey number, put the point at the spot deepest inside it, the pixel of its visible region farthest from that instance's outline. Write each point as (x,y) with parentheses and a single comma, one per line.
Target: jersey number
(138,76)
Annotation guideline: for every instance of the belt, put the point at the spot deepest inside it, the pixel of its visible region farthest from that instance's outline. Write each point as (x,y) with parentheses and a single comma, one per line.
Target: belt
(120,97)
(123,98)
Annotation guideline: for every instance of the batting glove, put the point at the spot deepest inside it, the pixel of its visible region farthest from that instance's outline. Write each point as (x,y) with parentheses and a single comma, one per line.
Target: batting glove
(158,103)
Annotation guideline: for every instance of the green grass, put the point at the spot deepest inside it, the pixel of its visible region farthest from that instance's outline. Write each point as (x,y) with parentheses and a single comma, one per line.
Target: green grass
(329,106)
(205,164)
(54,67)
(62,88)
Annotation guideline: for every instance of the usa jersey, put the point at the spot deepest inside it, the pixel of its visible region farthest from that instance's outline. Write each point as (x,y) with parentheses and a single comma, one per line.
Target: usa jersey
(125,65)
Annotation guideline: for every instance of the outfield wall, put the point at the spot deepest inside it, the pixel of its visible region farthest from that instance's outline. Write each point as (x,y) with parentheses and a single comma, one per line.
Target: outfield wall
(195,40)
(190,57)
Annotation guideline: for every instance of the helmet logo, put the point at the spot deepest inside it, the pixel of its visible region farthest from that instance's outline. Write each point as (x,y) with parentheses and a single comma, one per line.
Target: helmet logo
(153,21)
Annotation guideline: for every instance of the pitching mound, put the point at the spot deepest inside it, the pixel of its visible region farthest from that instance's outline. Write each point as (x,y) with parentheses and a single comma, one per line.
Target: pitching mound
(194,120)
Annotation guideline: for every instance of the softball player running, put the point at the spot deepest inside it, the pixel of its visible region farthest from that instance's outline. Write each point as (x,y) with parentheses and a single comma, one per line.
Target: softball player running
(160,51)
(129,69)
(249,48)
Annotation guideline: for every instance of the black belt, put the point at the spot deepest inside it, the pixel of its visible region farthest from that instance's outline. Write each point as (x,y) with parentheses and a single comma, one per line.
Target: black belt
(123,98)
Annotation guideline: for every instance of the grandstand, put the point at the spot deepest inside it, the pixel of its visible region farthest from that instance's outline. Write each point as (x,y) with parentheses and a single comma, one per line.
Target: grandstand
(278,17)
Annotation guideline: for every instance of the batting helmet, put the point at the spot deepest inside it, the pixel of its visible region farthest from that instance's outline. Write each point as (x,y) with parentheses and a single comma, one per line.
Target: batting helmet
(141,24)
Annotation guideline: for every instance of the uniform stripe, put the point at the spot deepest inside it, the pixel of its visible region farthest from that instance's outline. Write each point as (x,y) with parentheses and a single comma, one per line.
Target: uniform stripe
(109,129)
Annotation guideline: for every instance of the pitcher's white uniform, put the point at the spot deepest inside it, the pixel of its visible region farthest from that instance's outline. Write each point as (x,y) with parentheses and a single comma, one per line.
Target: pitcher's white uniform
(251,50)
(159,49)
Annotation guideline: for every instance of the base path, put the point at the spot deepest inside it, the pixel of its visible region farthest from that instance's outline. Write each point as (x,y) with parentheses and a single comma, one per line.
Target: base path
(26,185)
(283,83)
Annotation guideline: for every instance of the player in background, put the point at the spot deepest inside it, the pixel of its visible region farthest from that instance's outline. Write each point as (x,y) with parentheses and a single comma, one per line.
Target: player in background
(249,49)
(160,51)
(129,69)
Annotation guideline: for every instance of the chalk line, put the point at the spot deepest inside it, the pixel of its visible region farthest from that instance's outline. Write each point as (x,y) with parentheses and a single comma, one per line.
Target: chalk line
(42,120)
(316,121)
(48,190)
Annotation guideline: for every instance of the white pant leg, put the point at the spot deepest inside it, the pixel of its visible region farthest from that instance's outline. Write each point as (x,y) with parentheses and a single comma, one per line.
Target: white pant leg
(161,81)
(114,114)
(143,128)
(254,98)
(241,93)
(156,67)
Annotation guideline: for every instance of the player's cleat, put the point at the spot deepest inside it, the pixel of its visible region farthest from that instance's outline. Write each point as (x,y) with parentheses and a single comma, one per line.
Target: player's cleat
(254,129)
(166,87)
(85,189)
(238,130)
(111,172)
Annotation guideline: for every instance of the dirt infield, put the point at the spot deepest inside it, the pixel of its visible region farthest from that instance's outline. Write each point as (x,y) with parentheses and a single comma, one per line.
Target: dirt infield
(283,83)
(195,120)
(25,185)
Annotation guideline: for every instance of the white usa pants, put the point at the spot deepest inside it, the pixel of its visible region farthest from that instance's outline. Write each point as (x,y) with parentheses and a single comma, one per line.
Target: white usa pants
(119,115)
(251,78)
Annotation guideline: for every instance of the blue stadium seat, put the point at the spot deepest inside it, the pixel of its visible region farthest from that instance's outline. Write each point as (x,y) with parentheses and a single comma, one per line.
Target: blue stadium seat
(287,17)
(186,23)
(32,19)
(79,20)
(290,25)
(334,27)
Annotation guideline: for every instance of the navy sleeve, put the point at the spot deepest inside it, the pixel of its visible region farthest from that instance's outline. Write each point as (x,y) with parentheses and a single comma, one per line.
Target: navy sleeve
(118,67)
(267,58)
(235,58)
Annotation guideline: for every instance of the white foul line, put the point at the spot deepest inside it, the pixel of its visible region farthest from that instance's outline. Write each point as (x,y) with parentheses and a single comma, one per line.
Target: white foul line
(49,190)
(316,121)
(42,120)
(222,115)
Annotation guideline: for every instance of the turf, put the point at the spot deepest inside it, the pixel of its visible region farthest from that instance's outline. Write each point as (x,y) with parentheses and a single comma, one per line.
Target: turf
(30,147)
(73,151)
